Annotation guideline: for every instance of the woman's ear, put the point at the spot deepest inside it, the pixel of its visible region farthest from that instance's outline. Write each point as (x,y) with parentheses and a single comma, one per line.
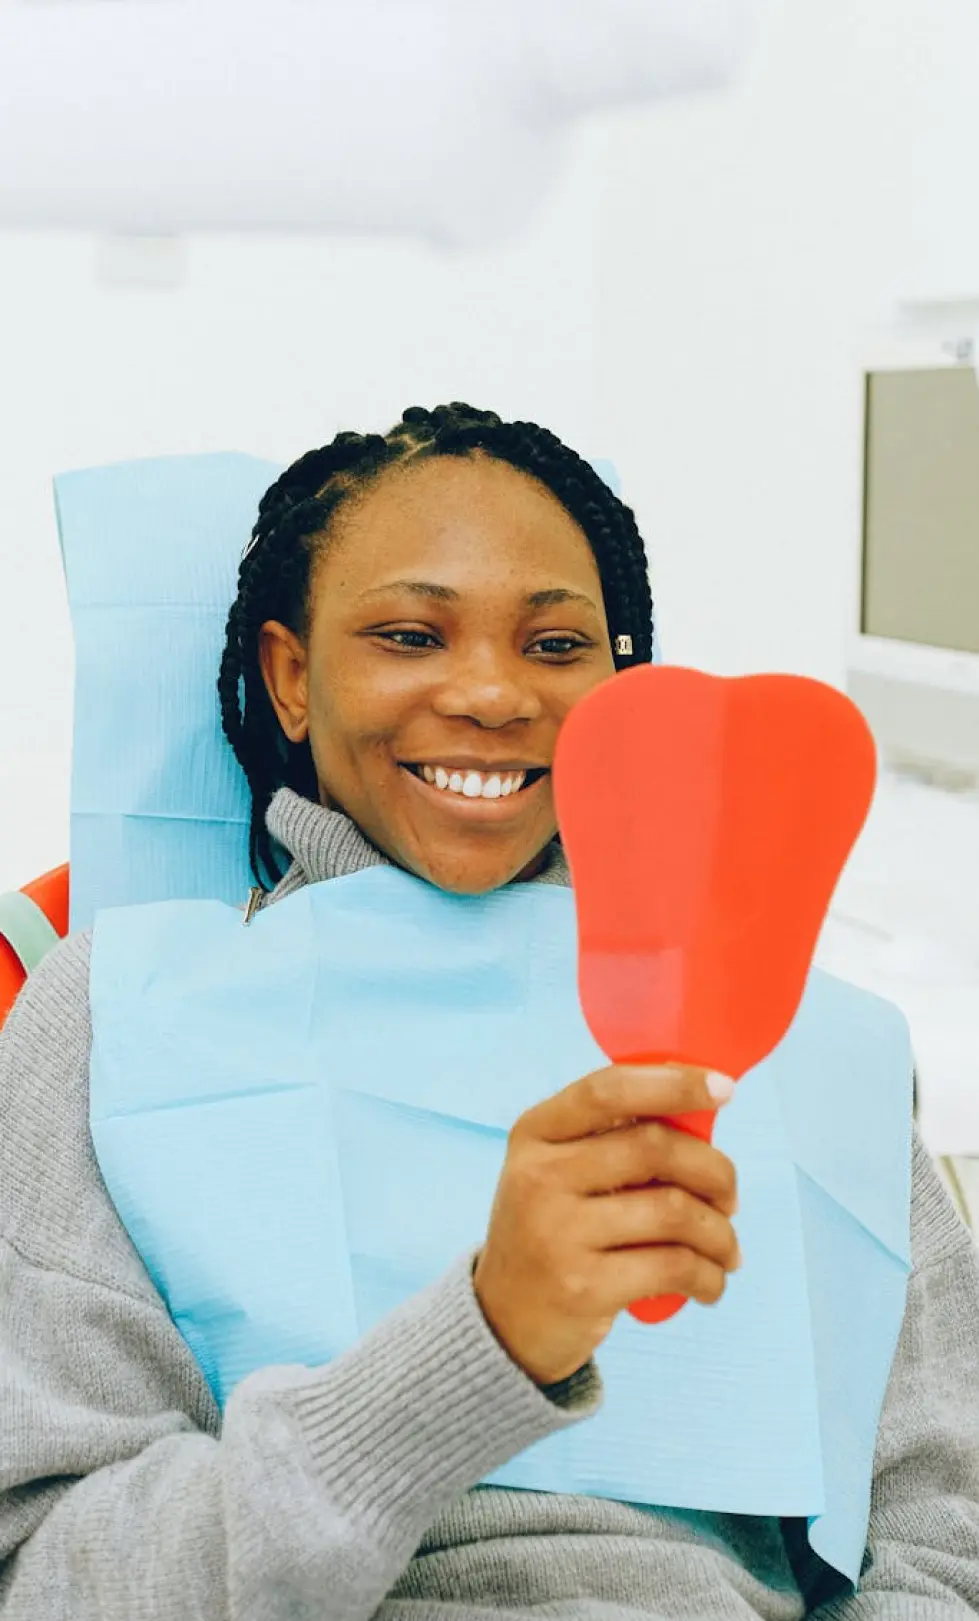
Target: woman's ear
(283,663)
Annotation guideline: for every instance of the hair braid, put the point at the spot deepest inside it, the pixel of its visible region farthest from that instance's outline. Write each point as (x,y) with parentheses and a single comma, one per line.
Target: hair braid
(294,518)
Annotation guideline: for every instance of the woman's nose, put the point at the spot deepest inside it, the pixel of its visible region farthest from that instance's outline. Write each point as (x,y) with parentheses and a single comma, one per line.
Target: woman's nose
(489,688)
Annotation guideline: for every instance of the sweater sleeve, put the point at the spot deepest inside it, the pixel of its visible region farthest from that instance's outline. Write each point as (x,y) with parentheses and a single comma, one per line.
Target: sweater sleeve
(122,1492)
(922,1561)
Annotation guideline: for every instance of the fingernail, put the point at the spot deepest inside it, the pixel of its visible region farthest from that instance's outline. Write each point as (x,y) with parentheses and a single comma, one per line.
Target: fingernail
(720,1087)
(738,1260)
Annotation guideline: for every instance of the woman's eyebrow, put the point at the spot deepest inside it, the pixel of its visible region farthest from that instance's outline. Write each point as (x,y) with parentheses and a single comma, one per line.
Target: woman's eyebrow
(415,588)
(553,597)
(556,596)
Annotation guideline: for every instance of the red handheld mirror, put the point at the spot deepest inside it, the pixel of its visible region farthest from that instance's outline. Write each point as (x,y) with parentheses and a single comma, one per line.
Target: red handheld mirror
(706,822)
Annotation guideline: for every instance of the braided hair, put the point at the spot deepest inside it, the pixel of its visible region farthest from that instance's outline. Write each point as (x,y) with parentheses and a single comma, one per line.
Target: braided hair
(292,527)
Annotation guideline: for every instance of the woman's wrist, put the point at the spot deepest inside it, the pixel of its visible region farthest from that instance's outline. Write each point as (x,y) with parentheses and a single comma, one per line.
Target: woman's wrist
(562,1392)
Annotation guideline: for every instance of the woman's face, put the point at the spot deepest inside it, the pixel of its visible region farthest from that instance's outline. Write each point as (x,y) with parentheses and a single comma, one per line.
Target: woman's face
(456,616)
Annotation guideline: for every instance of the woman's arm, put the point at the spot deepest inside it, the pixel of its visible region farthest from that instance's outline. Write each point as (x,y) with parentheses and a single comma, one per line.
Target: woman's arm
(923,1542)
(121,1493)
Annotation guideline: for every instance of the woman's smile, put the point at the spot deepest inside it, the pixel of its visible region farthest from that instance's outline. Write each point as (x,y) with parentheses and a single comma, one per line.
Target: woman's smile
(481,792)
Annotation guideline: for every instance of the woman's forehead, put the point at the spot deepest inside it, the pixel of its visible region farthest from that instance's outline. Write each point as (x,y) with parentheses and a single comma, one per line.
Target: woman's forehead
(460,522)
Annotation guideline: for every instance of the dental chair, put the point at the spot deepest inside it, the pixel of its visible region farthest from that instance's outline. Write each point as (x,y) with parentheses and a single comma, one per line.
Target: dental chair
(32,920)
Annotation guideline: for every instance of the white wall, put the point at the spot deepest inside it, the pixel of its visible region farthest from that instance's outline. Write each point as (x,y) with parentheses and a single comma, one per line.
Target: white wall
(943,254)
(748,245)
(688,304)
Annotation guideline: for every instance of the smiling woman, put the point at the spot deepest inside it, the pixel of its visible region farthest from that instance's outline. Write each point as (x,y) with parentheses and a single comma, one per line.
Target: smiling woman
(291,1290)
(416,615)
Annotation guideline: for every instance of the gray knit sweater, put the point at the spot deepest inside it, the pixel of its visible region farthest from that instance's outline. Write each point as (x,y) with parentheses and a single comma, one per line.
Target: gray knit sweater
(350,1491)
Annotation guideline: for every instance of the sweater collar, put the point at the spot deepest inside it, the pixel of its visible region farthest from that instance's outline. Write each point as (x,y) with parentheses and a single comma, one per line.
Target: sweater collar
(326,844)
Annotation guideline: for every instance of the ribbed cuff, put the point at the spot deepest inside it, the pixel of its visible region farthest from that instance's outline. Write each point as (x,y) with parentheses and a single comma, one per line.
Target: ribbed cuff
(425,1406)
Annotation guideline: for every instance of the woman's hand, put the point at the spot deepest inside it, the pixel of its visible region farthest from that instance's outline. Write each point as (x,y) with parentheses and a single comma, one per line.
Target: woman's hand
(577,1231)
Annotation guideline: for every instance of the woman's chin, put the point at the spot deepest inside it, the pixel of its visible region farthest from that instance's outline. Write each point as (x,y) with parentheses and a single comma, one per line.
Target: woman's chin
(469,872)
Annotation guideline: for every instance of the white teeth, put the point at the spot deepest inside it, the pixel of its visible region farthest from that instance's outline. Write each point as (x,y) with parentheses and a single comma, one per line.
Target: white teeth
(474,784)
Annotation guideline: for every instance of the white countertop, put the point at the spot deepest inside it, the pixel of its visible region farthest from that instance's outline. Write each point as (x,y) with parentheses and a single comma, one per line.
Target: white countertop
(905,923)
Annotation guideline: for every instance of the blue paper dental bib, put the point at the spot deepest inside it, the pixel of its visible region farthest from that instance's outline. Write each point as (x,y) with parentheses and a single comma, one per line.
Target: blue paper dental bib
(302,1123)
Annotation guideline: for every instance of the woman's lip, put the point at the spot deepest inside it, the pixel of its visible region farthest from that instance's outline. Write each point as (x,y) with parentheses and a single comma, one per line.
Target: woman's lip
(507,808)
(484,769)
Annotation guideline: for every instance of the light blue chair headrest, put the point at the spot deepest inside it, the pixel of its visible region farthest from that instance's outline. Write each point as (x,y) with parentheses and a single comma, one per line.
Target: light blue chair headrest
(159,805)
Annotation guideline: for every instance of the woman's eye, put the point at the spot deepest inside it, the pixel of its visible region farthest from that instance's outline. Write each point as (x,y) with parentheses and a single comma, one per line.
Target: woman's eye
(415,641)
(559,646)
